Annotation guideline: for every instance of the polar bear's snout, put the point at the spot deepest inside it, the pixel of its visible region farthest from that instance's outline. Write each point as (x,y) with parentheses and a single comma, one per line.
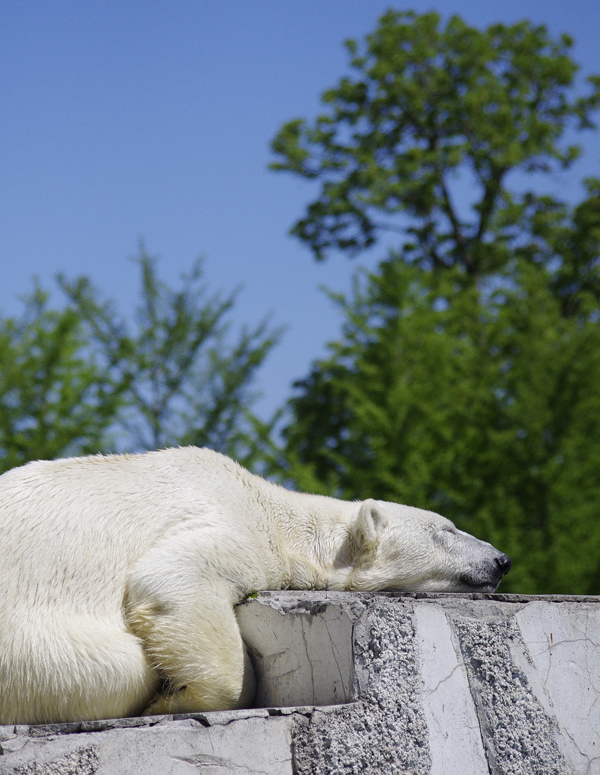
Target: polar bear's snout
(488,573)
(504,563)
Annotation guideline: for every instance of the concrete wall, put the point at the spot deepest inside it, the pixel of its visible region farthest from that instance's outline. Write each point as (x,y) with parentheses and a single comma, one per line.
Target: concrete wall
(436,685)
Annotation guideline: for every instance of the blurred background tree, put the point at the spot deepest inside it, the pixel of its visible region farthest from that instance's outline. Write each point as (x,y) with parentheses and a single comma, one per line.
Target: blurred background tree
(184,378)
(85,379)
(467,379)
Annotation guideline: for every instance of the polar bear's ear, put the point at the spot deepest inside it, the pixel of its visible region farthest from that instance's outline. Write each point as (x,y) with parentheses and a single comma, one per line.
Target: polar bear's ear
(369,525)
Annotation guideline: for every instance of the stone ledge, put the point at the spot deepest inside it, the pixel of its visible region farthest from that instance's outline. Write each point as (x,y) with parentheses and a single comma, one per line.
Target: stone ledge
(309,597)
(371,683)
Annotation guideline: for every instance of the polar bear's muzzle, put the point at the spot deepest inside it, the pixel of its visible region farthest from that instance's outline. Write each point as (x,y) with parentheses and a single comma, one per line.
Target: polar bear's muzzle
(488,574)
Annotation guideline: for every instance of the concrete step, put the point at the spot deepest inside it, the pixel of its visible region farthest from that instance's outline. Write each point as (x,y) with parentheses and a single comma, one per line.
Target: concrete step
(371,683)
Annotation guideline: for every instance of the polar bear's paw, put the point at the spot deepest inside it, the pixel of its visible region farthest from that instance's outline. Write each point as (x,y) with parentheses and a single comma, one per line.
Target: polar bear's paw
(170,703)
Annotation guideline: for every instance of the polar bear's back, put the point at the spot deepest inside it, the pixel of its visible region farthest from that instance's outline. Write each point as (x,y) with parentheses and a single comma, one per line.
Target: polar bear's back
(73,528)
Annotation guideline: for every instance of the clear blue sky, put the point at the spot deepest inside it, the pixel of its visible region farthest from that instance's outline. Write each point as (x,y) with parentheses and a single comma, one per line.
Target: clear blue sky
(123,120)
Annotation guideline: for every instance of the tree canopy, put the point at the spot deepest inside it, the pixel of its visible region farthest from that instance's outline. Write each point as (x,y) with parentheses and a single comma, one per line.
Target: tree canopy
(488,414)
(467,377)
(430,108)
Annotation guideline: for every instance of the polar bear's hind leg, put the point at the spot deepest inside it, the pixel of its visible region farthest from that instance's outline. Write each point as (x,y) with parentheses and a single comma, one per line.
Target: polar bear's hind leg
(91,669)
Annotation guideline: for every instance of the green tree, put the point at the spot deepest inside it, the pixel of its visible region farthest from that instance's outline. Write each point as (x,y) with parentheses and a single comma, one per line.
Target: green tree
(55,399)
(485,413)
(467,377)
(184,378)
(431,108)
(84,379)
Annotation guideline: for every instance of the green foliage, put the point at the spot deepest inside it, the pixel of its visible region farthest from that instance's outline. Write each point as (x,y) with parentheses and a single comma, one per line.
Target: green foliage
(487,412)
(428,107)
(54,398)
(183,380)
(467,379)
(85,379)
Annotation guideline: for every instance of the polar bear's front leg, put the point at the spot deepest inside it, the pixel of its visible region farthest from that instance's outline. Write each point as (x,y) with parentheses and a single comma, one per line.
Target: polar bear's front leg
(197,649)
(191,698)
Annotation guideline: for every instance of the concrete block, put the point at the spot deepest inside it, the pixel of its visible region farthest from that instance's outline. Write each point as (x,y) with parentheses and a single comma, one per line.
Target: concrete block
(244,746)
(369,684)
(385,731)
(518,736)
(301,657)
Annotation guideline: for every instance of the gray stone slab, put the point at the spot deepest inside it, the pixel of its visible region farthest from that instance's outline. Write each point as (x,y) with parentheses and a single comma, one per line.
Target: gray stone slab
(518,735)
(248,746)
(454,735)
(564,668)
(385,731)
(300,657)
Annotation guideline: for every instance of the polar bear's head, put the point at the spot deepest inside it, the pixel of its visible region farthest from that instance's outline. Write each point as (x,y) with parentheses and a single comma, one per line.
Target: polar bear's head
(404,548)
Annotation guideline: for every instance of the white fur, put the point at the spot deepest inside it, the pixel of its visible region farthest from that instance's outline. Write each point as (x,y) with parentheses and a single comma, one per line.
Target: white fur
(118,576)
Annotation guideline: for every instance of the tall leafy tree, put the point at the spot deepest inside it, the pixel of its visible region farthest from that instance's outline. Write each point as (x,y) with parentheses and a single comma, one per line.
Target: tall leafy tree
(487,414)
(430,108)
(467,376)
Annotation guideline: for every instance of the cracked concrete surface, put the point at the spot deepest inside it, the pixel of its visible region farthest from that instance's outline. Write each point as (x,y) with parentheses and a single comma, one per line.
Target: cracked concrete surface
(454,735)
(385,730)
(564,645)
(371,683)
(245,746)
(519,737)
(300,658)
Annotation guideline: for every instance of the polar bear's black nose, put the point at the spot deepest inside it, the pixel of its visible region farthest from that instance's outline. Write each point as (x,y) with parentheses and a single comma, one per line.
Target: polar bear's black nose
(504,564)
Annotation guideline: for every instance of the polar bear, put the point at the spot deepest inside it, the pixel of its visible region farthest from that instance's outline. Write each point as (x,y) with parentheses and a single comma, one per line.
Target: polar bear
(119,576)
